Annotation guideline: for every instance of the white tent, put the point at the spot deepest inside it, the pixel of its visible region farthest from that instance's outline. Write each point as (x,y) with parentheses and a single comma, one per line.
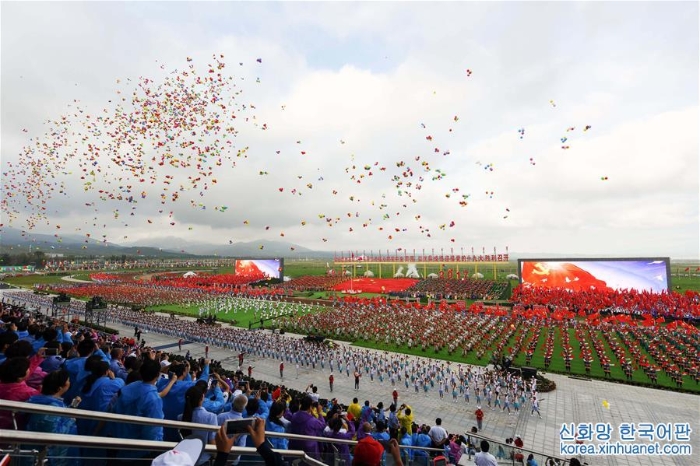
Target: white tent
(511,276)
(189,274)
(478,275)
(368,273)
(412,271)
(347,273)
(432,275)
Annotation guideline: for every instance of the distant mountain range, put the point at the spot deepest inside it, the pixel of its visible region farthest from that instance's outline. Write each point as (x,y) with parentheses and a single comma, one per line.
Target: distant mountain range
(261,248)
(13,240)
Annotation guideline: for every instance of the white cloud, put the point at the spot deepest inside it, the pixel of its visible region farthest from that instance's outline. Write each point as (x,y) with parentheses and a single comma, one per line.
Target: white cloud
(370,75)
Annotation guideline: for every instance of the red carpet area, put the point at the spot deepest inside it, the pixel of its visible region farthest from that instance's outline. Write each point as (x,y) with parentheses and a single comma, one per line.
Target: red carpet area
(375,285)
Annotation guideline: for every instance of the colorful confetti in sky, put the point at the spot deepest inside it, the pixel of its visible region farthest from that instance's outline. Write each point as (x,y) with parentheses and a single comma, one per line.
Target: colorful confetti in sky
(419,129)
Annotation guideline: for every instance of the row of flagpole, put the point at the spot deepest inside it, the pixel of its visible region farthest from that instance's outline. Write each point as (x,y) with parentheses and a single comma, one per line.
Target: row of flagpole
(397,253)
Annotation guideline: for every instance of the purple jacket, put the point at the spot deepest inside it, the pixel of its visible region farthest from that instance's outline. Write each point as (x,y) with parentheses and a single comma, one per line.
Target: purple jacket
(344,448)
(304,423)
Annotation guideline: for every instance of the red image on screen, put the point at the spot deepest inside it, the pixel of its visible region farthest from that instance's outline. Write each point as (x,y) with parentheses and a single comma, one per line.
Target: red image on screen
(259,269)
(247,268)
(560,275)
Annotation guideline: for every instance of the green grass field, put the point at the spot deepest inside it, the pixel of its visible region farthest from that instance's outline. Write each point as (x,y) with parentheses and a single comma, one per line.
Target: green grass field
(241,319)
(28,281)
(295,269)
(683,283)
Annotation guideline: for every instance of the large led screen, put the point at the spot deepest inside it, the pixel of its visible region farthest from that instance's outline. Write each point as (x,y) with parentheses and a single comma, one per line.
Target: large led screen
(266,268)
(650,274)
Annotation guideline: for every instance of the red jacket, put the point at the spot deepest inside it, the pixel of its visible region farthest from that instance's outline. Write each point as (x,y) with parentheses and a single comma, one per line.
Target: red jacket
(15,391)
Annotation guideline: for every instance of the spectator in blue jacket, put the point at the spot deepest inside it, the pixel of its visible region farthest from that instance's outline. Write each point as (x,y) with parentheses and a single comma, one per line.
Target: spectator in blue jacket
(52,361)
(421,439)
(117,363)
(139,398)
(43,338)
(55,385)
(174,401)
(276,422)
(405,440)
(214,397)
(97,393)
(195,412)
(367,413)
(76,367)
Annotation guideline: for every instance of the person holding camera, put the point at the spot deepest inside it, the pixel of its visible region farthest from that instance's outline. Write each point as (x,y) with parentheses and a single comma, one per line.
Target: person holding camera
(174,401)
(224,443)
(340,428)
(312,391)
(405,416)
(214,396)
(76,367)
(97,393)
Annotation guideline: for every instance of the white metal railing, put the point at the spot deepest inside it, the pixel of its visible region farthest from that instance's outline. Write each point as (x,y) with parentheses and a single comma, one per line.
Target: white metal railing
(31,438)
(512,447)
(16,406)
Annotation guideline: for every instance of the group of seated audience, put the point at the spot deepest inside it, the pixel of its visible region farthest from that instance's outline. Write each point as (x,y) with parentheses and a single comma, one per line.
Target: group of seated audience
(450,288)
(58,264)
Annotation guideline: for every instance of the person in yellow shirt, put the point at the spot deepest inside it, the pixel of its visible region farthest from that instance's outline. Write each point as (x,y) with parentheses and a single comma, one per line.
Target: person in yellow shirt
(317,410)
(355,409)
(405,415)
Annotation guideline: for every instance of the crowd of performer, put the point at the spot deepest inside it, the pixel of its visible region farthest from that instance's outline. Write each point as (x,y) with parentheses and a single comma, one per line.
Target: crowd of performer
(480,332)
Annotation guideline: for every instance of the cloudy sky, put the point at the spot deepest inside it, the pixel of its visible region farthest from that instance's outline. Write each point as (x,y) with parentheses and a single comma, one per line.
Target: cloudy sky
(357,125)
